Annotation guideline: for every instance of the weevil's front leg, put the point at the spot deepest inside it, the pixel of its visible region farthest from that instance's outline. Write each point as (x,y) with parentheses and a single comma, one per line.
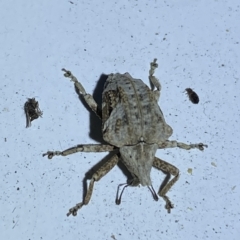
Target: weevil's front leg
(101,172)
(81,148)
(87,97)
(173,144)
(153,79)
(168,168)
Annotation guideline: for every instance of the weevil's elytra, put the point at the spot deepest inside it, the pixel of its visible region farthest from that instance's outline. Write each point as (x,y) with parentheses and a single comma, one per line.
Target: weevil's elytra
(139,101)
(32,111)
(193,97)
(134,127)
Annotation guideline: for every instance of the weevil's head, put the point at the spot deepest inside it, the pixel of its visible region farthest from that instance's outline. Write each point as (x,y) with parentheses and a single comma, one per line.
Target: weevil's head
(139,160)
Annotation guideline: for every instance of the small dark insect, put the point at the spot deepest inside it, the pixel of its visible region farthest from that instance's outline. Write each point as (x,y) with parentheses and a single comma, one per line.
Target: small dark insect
(193,97)
(32,111)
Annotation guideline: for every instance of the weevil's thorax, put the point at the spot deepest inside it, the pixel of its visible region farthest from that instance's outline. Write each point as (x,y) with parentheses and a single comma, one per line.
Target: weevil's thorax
(139,160)
(130,112)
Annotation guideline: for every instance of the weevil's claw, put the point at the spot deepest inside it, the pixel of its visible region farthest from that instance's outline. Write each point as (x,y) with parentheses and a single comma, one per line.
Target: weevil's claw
(67,73)
(169,206)
(49,154)
(201,146)
(154,63)
(74,210)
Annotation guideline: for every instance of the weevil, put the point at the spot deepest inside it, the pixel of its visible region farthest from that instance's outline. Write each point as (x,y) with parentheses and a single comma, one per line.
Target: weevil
(134,126)
(32,111)
(193,97)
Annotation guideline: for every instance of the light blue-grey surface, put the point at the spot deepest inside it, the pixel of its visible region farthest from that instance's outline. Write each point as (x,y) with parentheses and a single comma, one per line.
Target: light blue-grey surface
(197,44)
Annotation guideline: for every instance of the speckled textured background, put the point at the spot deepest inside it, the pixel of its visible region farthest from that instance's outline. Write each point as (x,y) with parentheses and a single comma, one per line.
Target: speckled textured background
(197,44)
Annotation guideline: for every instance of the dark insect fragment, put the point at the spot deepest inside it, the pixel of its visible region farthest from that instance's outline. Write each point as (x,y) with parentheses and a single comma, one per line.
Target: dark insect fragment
(32,111)
(193,97)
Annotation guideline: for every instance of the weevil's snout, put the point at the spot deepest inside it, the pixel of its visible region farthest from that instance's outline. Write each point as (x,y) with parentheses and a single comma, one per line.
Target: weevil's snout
(139,160)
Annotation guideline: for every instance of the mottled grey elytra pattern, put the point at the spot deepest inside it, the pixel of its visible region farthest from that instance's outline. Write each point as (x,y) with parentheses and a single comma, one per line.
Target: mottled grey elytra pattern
(134,126)
(129,105)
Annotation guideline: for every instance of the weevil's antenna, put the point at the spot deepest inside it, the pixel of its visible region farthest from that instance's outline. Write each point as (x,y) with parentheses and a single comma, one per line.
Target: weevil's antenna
(155,197)
(118,199)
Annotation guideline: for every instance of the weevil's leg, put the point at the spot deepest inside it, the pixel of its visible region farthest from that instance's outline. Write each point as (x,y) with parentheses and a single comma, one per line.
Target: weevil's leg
(87,97)
(168,168)
(153,79)
(81,148)
(101,172)
(173,144)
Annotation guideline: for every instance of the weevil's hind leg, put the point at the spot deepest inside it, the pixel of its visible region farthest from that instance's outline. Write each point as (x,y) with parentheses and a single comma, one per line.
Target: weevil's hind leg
(153,80)
(101,172)
(168,168)
(87,97)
